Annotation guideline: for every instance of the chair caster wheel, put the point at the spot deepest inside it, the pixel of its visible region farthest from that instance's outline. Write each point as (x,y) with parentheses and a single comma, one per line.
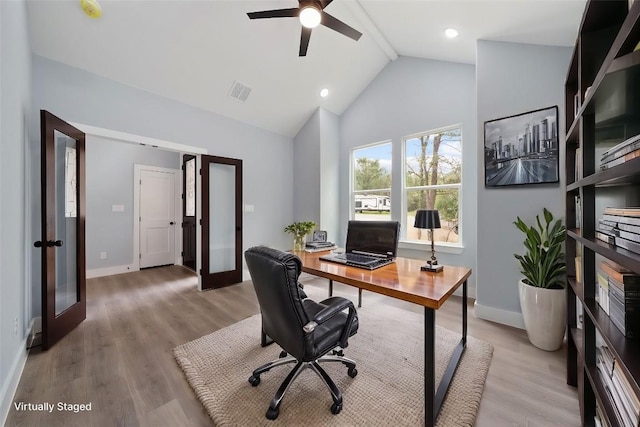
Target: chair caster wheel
(335,408)
(352,372)
(254,381)
(272,414)
(283,354)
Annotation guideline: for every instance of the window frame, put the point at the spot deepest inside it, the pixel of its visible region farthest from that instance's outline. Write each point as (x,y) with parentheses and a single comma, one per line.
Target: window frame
(414,244)
(352,171)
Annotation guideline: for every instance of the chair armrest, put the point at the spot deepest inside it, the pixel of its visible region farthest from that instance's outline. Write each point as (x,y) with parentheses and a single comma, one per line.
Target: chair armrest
(334,306)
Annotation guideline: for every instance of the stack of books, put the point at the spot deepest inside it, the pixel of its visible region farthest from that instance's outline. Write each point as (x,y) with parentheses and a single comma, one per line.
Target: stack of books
(319,246)
(619,390)
(620,227)
(624,298)
(602,290)
(623,152)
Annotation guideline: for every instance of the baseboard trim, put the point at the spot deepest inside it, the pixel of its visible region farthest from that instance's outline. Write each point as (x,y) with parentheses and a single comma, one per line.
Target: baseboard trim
(498,315)
(110,271)
(10,386)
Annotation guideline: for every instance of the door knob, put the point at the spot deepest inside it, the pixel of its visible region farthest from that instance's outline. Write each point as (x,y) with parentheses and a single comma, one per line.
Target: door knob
(51,243)
(37,244)
(171,223)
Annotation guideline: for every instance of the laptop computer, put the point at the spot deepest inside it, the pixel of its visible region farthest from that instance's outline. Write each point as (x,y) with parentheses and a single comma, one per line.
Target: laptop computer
(370,244)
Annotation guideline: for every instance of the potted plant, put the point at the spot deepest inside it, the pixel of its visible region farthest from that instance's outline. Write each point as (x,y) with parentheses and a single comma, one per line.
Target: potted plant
(542,295)
(299,231)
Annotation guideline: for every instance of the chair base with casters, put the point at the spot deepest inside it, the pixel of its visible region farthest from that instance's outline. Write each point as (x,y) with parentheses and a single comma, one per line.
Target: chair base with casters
(274,406)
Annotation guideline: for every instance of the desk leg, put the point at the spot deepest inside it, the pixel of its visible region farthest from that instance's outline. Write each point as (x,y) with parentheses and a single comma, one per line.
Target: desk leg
(429,365)
(330,287)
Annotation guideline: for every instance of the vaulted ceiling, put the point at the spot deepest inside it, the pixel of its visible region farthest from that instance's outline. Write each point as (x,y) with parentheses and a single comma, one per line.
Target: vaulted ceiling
(193,51)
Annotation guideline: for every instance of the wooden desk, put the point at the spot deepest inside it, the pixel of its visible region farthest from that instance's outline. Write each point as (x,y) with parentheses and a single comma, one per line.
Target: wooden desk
(404,280)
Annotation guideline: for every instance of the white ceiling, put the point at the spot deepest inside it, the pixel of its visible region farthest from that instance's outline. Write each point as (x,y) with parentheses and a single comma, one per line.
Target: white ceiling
(193,51)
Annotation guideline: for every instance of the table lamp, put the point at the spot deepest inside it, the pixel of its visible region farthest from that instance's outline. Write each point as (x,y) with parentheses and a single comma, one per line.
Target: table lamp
(429,219)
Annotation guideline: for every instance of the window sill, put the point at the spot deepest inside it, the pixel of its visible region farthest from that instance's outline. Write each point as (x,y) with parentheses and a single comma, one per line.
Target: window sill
(451,248)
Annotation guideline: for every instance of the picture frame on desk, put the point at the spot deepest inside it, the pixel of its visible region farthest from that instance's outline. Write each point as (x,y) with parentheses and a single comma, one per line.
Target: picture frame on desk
(522,149)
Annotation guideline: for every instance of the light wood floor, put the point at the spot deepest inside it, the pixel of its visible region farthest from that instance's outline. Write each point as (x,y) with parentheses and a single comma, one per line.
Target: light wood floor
(120,360)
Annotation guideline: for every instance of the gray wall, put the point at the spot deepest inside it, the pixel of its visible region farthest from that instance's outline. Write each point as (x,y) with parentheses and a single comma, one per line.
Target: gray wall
(316,148)
(306,171)
(15,242)
(512,79)
(412,95)
(82,97)
(110,182)
(330,174)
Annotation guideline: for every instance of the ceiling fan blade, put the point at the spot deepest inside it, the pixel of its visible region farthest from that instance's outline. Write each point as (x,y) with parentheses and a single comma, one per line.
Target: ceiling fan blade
(339,26)
(304,41)
(277,13)
(325,3)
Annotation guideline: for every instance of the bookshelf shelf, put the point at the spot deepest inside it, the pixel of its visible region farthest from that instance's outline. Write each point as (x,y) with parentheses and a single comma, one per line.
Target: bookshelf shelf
(602,107)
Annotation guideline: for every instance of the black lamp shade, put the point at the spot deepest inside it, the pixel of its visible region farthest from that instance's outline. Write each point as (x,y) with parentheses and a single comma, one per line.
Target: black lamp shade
(426,218)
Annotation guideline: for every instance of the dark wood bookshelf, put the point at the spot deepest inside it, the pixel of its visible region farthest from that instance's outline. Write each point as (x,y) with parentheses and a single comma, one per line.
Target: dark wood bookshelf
(604,73)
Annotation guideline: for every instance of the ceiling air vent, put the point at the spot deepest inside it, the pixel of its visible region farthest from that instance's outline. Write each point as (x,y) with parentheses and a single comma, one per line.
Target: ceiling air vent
(239,91)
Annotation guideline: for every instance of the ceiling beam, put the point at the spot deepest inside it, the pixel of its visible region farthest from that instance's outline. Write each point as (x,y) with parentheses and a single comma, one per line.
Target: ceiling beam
(371,28)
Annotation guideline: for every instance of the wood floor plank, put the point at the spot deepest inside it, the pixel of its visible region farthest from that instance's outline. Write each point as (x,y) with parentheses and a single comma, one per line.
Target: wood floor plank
(120,358)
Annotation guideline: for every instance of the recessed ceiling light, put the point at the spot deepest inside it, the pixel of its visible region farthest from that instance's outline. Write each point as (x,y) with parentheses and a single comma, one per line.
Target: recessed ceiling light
(324,92)
(451,33)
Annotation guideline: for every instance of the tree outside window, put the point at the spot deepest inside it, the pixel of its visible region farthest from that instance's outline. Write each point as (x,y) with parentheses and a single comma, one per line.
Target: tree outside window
(371,188)
(433,180)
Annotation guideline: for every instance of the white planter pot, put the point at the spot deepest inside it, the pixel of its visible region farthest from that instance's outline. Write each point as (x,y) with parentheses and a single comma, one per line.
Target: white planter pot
(544,313)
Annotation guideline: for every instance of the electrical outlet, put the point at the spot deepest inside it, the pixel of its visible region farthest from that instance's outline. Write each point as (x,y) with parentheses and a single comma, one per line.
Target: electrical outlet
(15,327)
(103,255)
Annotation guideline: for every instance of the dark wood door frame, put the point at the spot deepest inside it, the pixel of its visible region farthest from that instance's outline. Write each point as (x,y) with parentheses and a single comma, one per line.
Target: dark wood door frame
(189,244)
(56,327)
(225,278)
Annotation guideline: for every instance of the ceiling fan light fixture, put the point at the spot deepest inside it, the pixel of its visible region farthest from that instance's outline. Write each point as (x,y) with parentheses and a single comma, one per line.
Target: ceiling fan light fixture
(310,16)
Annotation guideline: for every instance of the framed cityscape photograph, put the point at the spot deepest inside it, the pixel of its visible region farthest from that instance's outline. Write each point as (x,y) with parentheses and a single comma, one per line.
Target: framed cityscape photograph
(522,149)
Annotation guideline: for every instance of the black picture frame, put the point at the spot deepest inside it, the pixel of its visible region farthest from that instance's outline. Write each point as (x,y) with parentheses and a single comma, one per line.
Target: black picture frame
(522,149)
(319,236)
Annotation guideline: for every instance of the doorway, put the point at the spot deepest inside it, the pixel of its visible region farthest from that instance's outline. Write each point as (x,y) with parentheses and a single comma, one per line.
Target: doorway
(158,212)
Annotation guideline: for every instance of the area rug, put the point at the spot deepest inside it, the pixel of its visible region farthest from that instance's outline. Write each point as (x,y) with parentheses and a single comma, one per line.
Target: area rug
(388,389)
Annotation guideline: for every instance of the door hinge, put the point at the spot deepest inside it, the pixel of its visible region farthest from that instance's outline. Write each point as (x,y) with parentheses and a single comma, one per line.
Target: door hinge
(139,256)
(140,181)
(182,196)
(182,253)
(139,219)
(200,171)
(200,221)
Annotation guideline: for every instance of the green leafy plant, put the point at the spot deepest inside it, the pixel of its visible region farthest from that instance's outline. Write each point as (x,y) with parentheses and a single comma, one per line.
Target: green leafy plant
(543,264)
(299,229)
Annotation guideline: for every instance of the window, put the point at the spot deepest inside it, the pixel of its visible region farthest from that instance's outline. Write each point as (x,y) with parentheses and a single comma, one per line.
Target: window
(433,180)
(371,182)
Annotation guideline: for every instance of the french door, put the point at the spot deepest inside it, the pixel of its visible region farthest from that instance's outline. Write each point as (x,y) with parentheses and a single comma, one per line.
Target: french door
(64,303)
(221,221)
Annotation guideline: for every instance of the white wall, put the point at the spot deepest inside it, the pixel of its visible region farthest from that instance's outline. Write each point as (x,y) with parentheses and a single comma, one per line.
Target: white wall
(15,241)
(109,179)
(316,167)
(412,95)
(512,78)
(82,97)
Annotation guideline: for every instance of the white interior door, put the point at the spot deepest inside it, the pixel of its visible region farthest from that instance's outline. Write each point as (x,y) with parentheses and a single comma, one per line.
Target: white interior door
(157,218)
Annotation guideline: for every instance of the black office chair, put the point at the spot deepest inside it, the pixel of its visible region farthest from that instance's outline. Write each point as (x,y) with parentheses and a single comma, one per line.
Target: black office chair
(305,329)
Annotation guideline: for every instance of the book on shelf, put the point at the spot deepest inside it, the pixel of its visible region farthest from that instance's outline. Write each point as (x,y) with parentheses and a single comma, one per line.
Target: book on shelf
(630,228)
(626,385)
(602,290)
(620,160)
(637,47)
(624,277)
(628,245)
(578,209)
(626,211)
(617,219)
(576,104)
(578,164)
(578,264)
(624,147)
(607,238)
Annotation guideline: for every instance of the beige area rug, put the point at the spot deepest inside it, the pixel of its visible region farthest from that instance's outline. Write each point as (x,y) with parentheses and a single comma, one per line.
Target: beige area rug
(387,391)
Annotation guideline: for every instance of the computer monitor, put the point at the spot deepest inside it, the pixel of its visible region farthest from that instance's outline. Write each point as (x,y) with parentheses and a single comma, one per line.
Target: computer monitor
(378,237)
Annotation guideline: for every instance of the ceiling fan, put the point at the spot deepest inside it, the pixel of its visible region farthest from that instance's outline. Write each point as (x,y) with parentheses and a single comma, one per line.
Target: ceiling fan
(311,14)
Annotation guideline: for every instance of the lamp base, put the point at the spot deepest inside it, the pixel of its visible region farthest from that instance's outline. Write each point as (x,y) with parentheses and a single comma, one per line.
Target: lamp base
(432,268)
